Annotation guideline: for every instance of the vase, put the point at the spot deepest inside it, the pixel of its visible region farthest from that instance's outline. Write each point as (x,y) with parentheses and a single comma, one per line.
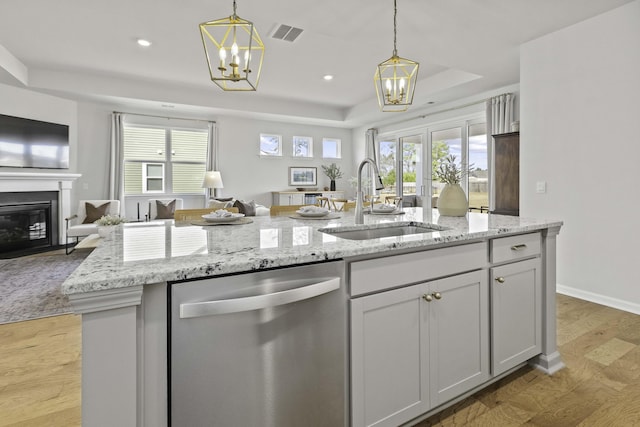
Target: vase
(452,201)
(333,185)
(105,230)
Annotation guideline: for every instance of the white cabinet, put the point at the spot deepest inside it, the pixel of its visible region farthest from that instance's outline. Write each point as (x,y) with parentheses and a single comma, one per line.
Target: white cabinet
(416,347)
(516,299)
(290,199)
(281,198)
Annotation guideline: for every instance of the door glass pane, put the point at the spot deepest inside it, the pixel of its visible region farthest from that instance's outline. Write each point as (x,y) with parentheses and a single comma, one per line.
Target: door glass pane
(387,168)
(444,143)
(478,170)
(411,170)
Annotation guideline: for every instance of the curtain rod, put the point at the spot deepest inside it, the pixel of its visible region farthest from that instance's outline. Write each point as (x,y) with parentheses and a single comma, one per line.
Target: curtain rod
(469,104)
(165,117)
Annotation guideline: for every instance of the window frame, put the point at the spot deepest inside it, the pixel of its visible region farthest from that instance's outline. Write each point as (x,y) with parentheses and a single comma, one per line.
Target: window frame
(167,160)
(263,138)
(302,139)
(146,177)
(338,147)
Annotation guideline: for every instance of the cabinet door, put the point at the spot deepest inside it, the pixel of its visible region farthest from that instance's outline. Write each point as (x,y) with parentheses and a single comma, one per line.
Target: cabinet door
(517,313)
(297,199)
(458,324)
(387,358)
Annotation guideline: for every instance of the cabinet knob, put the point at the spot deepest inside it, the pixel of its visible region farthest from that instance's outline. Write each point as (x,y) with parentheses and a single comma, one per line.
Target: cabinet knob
(500,279)
(437,295)
(427,297)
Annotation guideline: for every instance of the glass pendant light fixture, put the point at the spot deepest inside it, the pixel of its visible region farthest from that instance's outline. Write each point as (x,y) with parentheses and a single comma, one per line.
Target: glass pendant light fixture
(234,52)
(395,78)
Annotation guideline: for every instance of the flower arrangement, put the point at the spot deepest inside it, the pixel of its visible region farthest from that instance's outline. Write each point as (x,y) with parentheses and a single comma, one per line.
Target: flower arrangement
(448,171)
(107,220)
(332,171)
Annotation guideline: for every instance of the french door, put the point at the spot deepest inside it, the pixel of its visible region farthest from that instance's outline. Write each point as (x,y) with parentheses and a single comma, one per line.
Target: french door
(467,142)
(401,169)
(407,161)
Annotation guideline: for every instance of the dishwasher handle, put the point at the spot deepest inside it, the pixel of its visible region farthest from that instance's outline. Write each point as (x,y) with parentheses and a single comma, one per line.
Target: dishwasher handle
(236,305)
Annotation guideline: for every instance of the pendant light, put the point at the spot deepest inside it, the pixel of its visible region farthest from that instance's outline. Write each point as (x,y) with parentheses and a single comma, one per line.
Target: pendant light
(395,78)
(234,52)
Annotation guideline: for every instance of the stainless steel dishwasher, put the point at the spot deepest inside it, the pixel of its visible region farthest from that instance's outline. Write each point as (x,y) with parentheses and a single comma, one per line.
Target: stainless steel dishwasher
(260,349)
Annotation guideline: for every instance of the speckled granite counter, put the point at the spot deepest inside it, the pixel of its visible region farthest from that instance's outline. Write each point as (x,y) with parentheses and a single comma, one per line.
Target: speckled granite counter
(154,252)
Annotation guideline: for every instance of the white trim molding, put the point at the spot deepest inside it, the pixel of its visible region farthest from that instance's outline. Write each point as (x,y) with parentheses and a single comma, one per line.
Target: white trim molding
(599,299)
(48,181)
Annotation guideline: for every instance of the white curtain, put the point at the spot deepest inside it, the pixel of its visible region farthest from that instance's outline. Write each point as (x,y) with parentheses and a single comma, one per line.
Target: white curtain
(116,170)
(500,114)
(212,148)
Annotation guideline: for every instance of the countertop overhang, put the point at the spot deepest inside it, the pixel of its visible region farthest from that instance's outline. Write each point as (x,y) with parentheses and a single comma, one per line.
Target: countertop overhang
(160,251)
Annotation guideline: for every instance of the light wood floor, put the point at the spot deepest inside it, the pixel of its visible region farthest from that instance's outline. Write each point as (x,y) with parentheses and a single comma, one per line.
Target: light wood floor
(599,387)
(40,376)
(40,372)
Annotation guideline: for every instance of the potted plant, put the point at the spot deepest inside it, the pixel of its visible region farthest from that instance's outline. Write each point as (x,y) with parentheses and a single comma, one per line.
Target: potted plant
(106,223)
(333,172)
(452,201)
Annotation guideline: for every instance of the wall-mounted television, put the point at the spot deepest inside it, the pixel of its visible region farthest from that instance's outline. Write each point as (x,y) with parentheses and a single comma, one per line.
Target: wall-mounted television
(26,143)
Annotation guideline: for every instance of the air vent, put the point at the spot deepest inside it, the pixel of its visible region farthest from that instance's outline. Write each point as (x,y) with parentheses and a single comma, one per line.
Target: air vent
(287,32)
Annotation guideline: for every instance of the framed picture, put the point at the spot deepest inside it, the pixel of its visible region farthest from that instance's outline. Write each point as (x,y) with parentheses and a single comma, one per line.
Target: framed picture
(302,146)
(270,145)
(303,176)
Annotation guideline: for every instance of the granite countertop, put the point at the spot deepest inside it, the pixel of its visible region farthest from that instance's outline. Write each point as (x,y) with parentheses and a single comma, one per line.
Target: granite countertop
(154,252)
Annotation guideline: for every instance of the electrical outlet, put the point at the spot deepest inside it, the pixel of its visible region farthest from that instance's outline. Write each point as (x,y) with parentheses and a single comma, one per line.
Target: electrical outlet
(541,187)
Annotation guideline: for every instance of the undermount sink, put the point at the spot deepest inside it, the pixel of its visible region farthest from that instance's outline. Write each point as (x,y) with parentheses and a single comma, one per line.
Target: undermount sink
(368,232)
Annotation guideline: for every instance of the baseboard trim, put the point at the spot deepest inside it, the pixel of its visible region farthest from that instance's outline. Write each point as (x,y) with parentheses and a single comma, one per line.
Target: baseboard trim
(599,299)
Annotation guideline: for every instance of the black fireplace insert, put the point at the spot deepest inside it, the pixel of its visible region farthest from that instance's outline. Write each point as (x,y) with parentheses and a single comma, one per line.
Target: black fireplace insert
(28,222)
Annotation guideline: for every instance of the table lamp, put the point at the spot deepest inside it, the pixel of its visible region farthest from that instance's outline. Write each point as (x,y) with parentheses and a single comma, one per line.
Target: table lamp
(212,179)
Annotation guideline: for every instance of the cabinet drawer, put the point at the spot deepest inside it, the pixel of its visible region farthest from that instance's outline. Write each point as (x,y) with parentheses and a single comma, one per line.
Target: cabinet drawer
(378,274)
(515,247)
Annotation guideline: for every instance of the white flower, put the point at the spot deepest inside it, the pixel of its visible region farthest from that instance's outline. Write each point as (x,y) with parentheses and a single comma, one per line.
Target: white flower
(110,220)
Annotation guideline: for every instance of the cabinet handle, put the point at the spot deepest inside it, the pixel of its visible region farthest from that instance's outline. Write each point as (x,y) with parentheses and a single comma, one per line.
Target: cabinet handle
(500,279)
(427,297)
(437,295)
(519,247)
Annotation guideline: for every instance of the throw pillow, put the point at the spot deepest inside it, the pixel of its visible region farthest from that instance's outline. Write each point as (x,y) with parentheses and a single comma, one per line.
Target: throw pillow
(246,208)
(165,211)
(216,204)
(95,213)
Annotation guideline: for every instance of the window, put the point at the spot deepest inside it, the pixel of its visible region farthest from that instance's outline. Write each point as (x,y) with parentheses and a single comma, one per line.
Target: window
(302,146)
(270,145)
(331,148)
(164,160)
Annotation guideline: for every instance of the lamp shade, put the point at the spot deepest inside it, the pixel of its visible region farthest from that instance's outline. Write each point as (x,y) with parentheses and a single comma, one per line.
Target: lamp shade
(212,179)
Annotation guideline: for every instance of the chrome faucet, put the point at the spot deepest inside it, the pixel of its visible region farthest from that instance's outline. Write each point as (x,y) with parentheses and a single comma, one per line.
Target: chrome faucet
(359,193)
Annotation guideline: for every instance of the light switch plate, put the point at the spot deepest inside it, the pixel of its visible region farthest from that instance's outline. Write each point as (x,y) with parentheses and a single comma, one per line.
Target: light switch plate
(541,187)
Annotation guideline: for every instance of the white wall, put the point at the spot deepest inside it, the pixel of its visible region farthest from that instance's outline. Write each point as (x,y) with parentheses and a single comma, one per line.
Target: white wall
(247,175)
(579,133)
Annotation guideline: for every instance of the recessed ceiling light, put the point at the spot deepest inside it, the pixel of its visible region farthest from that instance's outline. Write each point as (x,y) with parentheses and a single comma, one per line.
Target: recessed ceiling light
(144,43)
(328,77)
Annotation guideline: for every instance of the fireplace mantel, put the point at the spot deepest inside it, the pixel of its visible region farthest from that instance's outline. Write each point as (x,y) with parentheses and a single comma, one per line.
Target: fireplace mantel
(43,181)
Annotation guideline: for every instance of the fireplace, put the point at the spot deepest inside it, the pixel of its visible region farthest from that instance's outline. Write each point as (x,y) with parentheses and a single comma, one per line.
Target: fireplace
(28,222)
(33,206)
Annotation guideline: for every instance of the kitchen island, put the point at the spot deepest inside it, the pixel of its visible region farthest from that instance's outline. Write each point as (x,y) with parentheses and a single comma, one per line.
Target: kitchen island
(121,292)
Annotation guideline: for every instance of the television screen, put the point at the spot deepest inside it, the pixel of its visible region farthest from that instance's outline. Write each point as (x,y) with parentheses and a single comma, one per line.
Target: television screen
(26,143)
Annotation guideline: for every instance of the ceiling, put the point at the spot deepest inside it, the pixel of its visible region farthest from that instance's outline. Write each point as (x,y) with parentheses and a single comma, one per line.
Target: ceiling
(87,50)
